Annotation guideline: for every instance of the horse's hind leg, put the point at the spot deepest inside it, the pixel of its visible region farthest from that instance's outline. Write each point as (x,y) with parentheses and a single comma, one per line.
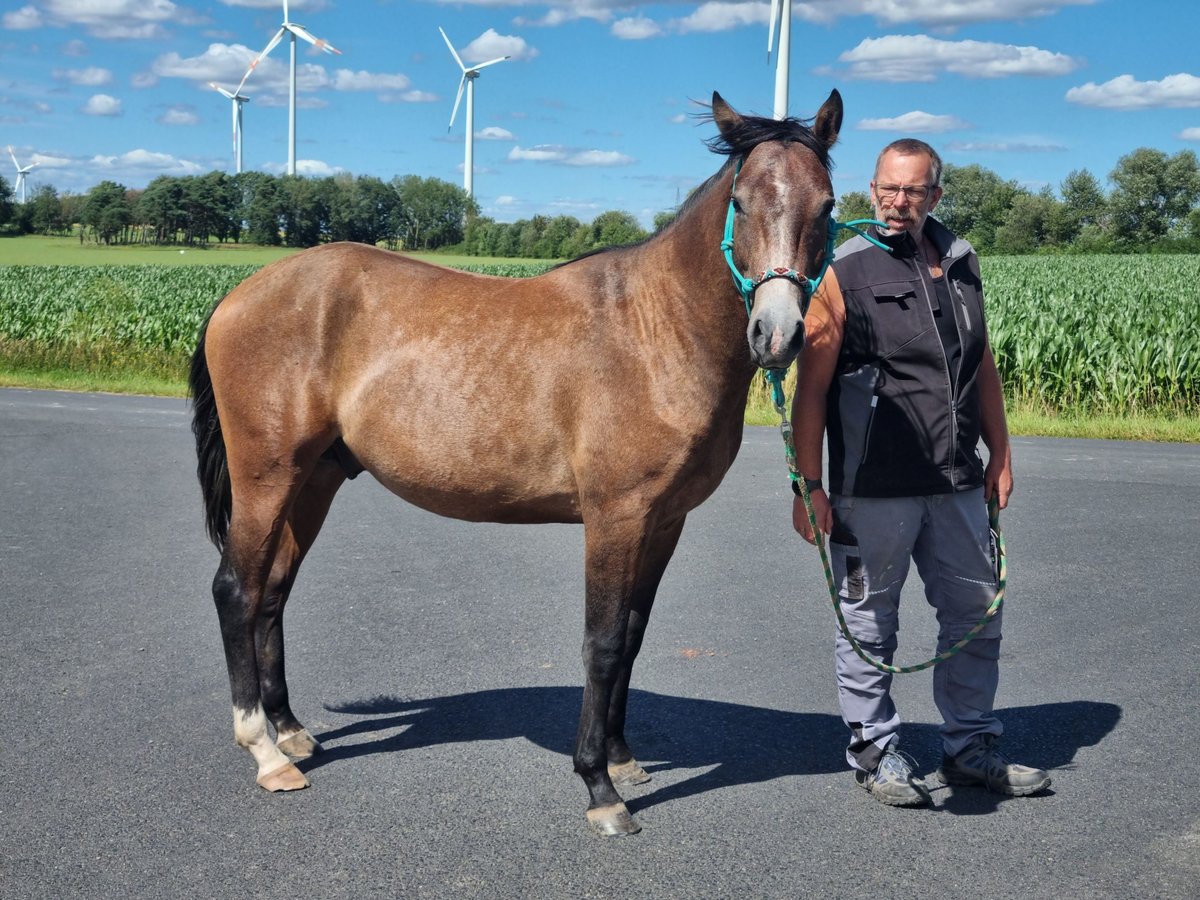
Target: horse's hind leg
(304,521)
(623,769)
(256,528)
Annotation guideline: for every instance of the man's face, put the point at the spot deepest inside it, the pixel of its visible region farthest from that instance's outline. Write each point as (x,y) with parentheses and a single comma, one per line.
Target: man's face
(903,194)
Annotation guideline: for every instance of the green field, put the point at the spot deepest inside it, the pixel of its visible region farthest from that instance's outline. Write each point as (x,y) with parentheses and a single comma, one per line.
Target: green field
(1099,346)
(37,250)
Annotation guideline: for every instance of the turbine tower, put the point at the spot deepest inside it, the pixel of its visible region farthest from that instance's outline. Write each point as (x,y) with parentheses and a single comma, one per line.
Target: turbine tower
(293,31)
(19,187)
(238,99)
(468,79)
(782,24)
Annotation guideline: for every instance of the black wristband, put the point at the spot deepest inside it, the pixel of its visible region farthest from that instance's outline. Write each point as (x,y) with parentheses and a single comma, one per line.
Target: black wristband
(813,484)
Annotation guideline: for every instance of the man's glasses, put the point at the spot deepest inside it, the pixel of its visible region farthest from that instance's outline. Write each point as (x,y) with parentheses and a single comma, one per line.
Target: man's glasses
(888,192)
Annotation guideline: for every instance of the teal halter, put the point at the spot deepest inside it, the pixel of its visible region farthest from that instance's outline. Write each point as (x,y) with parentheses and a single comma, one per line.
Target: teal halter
(808,286)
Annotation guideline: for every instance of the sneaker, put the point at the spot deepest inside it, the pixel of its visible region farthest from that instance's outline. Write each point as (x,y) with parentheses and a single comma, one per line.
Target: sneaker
(892,781)
(981,763)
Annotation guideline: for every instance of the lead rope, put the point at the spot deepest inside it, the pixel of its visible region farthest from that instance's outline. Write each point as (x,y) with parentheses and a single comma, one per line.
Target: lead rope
(775,380)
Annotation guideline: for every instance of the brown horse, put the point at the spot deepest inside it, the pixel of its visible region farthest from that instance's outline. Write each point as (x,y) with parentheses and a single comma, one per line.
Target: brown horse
(608,391)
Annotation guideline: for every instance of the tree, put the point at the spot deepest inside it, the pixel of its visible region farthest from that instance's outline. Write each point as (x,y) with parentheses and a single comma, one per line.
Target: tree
(6,205)
(615,228)
(556,238)
(107,211)
(432,213)
(1027,226)
(47,211)
(1152,193)
(663,219)
(850,206)
(975,202)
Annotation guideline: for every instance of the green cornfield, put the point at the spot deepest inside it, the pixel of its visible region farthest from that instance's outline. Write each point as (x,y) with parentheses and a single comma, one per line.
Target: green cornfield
(1080,334)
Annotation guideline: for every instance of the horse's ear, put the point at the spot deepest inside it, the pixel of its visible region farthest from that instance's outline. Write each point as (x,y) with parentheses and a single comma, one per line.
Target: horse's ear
(723,114)
(829,120)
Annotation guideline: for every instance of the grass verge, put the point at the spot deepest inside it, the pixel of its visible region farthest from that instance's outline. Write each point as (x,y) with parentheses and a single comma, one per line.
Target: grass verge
(150,379)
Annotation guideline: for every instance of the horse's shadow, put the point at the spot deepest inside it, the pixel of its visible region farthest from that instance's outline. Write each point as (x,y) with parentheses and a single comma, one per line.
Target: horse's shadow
(734,743)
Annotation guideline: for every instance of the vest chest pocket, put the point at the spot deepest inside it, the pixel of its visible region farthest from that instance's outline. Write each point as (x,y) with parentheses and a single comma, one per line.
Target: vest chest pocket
(895,312)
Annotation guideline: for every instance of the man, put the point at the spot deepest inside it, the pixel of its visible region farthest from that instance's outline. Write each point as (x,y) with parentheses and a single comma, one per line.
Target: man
(898,371)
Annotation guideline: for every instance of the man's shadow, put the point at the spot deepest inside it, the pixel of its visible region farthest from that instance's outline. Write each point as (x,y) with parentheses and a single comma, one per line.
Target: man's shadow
(737,744)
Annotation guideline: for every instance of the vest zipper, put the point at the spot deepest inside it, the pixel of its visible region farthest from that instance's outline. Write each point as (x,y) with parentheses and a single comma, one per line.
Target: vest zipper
(951,400)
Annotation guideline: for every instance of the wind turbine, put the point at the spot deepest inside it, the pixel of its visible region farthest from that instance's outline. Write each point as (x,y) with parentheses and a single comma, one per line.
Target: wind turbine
(782,23)
(293,31)
(21,172)
(238,99)
(468,79)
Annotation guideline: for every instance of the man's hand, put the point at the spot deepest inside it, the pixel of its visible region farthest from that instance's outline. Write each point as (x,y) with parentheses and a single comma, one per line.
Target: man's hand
(821,509)
(997,480)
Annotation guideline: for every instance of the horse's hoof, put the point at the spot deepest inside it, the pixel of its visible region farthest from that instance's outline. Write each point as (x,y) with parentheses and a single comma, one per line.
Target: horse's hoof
(628,773)
(300,745)
(612,821)
(286,778)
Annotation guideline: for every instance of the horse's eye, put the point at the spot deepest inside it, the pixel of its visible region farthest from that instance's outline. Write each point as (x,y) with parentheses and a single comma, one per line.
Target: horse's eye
(737,206)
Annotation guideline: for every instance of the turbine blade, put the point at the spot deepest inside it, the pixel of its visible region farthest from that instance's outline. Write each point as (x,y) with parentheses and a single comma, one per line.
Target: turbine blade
(453,52)
(320,44)
(217,87)
(285,11)
(271,46)
(490,62)
(775,4)
(462,82)
(18,165)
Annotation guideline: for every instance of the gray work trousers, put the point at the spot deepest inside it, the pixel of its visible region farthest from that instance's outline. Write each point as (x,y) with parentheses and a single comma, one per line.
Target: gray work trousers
(948,537)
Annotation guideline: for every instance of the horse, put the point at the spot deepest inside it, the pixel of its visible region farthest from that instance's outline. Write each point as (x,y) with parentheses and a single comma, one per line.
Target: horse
(609,390)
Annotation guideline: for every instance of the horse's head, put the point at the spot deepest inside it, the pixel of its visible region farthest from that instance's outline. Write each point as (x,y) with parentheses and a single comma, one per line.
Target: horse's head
(779,211)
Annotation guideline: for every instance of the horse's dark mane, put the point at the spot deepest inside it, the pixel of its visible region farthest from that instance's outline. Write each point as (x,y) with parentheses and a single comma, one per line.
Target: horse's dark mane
(743,137)
(751,131)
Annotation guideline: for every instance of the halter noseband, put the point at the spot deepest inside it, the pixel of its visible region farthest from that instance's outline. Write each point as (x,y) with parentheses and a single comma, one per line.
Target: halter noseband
(808,286)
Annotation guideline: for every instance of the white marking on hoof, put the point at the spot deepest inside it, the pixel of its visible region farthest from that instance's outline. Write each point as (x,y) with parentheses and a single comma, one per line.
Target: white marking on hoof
(628,773)
(250,731)
(298,745)
(286,778)
(612,820)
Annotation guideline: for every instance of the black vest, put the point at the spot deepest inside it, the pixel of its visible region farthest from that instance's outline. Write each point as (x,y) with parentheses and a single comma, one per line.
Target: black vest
(899,422)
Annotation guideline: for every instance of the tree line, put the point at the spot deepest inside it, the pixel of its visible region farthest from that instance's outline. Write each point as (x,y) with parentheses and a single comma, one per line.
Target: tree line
(1151,206)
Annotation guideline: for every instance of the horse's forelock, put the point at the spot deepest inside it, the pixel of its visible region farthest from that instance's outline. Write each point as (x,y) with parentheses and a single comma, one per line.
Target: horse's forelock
(751,131)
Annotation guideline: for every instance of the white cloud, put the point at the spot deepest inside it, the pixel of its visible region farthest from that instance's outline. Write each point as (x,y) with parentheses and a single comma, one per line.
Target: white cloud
(495,133)
(915,122)
(542,153)
(491,45)
(1003,147)
(556,153)
(599,158)
(919,57)
(678,118)
(715,16)
(179,115)
(25,18)
(951,13)
(222,63)
(1190,134)
(75,48)
(636,29)
(93,76)
(506,200)
(143,161)
(1125,92)
(102,105)
(346,80)
(110,19)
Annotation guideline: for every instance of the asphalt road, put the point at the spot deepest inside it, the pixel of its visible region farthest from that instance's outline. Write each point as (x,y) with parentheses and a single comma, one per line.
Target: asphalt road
(438,662)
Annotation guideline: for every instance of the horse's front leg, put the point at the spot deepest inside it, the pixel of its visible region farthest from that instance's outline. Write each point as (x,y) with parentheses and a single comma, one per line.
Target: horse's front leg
(623,768)
(613,553)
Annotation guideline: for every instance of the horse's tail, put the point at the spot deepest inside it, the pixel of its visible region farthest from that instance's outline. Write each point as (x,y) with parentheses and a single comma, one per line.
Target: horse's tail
(212,467)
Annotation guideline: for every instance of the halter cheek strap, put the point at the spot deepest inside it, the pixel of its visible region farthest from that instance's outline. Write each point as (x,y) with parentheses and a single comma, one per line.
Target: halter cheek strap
(808,286)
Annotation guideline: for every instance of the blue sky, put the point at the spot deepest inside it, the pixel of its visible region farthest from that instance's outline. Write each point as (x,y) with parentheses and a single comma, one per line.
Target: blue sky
(595,110)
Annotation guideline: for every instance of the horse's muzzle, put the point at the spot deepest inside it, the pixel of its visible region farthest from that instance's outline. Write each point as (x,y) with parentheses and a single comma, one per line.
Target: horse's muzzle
(775,344)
